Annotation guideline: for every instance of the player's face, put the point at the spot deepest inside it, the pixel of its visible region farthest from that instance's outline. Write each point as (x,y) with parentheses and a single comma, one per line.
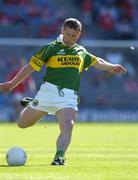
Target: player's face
(70,36)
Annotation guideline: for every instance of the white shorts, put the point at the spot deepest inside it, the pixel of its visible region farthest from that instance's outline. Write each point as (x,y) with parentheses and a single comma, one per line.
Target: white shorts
(50,99)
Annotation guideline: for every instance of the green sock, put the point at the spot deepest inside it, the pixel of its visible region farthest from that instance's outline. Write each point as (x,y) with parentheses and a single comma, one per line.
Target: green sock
(59,154)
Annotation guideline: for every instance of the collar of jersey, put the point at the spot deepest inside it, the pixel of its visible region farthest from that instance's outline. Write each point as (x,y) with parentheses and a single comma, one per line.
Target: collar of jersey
(60,39)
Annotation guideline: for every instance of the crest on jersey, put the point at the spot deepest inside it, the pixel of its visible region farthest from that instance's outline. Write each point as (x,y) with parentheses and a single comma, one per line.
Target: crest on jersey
(35,102)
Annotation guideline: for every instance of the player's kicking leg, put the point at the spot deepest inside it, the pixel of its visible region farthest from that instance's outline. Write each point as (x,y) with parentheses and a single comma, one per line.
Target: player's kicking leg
(30,116)
(66,118)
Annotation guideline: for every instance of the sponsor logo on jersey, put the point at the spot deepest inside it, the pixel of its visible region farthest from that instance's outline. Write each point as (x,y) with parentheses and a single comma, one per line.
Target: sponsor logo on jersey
(62,51)
(69,60)
(66,61)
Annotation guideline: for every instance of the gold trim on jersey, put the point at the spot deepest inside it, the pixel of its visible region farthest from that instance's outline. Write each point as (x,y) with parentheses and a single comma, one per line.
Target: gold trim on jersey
(66,61)
(94,60)
(36,63)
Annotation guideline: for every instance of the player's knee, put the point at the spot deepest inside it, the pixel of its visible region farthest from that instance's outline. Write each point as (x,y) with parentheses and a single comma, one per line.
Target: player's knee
(21,125)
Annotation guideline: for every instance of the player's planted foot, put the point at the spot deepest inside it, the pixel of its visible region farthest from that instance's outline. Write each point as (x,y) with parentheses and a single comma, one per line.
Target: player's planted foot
(25,101)
(59,161)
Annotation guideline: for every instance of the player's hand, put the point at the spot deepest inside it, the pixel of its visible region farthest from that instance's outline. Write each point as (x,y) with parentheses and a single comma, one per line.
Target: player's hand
(5,87)
(119,69)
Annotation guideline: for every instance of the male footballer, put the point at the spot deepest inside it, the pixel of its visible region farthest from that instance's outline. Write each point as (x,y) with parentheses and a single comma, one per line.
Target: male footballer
(64,60)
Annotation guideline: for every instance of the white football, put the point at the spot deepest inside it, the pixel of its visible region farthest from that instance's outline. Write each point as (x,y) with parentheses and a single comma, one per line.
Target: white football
(16,156)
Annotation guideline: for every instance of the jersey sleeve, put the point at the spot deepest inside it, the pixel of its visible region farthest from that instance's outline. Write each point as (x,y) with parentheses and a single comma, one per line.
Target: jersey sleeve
(39,58)
(89,60)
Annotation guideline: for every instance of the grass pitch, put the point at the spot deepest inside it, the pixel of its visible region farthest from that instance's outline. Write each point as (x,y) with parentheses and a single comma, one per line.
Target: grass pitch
(98,152)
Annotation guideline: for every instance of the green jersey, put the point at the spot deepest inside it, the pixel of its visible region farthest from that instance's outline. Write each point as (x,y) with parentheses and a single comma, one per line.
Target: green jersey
(63,64)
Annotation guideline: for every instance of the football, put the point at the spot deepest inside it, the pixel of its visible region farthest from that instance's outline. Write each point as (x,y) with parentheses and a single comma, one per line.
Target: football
(16,156)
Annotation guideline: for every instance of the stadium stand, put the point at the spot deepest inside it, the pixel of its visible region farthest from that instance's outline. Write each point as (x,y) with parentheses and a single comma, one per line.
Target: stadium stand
(102,19)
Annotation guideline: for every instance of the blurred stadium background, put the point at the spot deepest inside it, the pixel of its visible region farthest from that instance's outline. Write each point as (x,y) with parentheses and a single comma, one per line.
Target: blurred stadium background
(109,31)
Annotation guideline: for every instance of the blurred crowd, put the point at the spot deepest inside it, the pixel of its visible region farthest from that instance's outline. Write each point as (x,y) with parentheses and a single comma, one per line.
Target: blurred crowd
(111,18)
(29,18)
(42,18)
(102,19)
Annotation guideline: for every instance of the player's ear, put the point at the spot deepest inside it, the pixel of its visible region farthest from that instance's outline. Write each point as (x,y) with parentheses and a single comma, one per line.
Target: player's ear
(79,33)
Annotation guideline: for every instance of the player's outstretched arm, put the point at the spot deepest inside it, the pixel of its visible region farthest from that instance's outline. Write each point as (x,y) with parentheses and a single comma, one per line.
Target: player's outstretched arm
(23,74)
(113,68)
